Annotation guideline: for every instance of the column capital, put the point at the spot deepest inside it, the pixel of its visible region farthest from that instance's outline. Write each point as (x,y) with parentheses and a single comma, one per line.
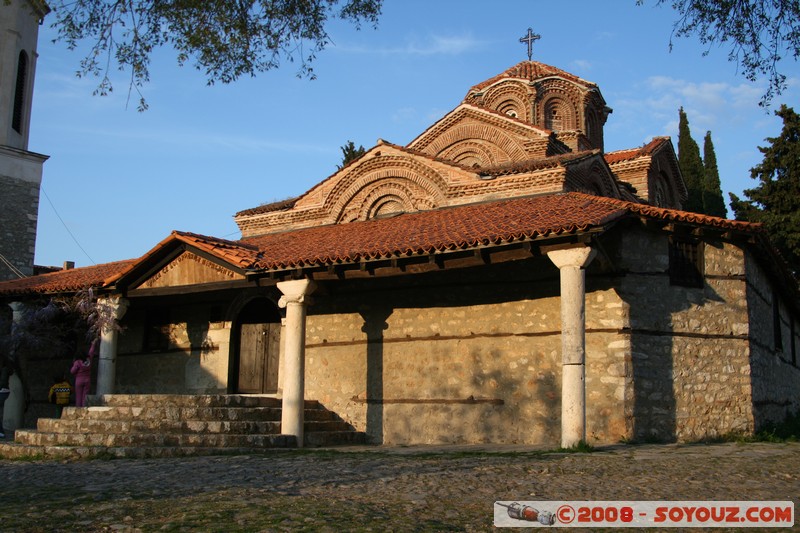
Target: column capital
(295,291)
(18,310)
(115,304)
(17,307)
(578,257)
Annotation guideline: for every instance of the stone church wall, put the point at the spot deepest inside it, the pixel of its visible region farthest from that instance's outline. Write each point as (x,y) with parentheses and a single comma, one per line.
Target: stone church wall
(775,372)
(690,359)
(473,355)
(189,355)
(433,361)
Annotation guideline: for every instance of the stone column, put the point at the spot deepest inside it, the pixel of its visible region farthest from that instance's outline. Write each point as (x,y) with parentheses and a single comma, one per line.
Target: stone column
(295,299)
(571,262)
(114,306)
(14,408)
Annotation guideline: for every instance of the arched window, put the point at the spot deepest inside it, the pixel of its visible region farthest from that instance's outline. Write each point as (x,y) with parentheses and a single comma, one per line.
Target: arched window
(554,120)
(593,129)
(387,206)
(19,93)
(558,115)
(509,108)
(660,196)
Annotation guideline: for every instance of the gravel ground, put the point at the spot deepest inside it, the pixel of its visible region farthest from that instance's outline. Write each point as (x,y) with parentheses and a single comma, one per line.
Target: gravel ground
(375,489)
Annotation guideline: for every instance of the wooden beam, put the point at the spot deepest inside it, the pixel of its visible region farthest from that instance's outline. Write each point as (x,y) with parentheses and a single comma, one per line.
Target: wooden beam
(186,289)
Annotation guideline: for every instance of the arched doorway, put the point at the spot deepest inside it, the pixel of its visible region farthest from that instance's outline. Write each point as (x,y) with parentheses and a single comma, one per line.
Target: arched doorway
(259,335)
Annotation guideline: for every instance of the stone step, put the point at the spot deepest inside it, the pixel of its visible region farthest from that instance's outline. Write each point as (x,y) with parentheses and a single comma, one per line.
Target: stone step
(264,414)
(163,425)
(88,425)
(119,440)
(187,400)
(172,413)
(151,425)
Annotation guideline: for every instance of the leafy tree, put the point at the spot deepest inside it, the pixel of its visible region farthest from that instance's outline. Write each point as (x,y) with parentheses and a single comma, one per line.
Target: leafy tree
(759,33)
(224,38)
(713,202)
(56,326)
(691,165)
(350,153)
(775,201)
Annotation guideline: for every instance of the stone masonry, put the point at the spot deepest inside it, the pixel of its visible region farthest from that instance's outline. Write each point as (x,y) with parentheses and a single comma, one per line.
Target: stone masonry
(19,204)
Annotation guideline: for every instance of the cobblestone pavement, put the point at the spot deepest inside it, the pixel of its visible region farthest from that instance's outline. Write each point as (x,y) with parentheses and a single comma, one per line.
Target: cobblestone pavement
(375,489)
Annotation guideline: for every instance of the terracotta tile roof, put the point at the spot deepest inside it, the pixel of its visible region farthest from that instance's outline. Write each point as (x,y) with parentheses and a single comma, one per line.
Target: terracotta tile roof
(462,227)
(633,153)
(425,232)
(66,280)
(530,70)
(441,230)
(674,215)
(234,253)
(280,205)
(530,165)
(238,253)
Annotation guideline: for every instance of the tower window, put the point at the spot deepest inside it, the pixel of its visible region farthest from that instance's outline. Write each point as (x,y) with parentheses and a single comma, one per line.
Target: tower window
(19,93)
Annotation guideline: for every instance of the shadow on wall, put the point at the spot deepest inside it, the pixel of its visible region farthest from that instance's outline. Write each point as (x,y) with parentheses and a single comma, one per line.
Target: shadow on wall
(531,412)
(375,323)
(668,371)
(671,350)
(460,387)
(168,349)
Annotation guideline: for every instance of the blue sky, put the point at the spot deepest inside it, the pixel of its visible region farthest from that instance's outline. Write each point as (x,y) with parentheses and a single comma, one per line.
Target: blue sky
(121,180)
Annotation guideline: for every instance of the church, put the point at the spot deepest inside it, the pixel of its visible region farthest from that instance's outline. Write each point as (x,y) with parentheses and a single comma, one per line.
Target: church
(501,278)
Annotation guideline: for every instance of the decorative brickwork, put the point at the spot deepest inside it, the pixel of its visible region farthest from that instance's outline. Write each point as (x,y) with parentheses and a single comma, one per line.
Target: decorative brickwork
(532,113)
(548,98)
(511,136)
(653,172)
(416,184)
(510,98)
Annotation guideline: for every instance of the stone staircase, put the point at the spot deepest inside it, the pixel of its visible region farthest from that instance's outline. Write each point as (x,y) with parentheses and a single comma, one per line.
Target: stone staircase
(159,425)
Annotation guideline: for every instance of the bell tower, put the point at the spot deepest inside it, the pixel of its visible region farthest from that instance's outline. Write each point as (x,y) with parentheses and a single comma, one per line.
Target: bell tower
(20,170)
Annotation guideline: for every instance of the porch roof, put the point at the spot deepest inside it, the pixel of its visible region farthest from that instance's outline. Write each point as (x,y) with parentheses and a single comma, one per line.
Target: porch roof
(422,233)
(66,281)
(458,228)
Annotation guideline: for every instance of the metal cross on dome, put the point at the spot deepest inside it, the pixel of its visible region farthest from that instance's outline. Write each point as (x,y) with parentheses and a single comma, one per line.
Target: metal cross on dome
(530,38)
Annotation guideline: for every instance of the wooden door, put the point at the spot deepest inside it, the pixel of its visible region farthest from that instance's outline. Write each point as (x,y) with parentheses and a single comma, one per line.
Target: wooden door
(259,348)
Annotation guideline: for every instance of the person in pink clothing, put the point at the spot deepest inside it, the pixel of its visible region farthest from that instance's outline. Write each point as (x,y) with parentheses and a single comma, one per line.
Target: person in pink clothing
(82,370)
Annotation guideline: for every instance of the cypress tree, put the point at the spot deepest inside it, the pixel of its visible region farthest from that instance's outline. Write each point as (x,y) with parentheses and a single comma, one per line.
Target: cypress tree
(713,202)
(350,153)
(775,201)
(691,165)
